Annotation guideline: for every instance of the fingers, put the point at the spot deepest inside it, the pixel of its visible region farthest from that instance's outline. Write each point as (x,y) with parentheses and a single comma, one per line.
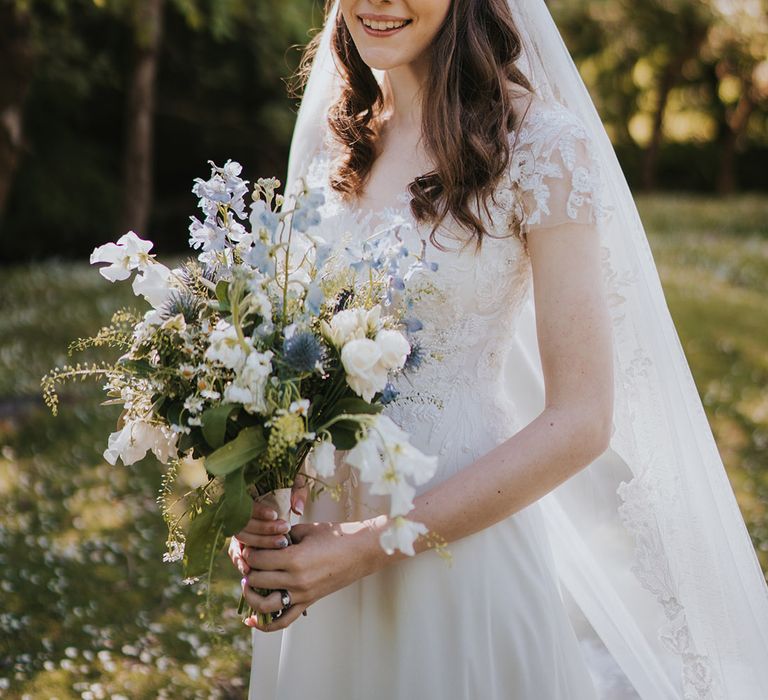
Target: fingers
(261,511)
(263,541)
(289,616)
(299,494)
(235,552)
(272,579)
(256,526)
(263,604)
(268,559)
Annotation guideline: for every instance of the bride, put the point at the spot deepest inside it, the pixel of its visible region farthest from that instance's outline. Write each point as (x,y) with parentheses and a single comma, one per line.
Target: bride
(596,549)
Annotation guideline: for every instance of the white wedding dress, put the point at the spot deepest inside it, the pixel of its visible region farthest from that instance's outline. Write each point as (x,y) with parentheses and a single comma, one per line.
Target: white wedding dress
(492,625)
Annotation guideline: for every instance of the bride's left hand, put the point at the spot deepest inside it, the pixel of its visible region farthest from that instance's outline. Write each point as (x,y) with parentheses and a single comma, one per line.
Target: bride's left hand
(324,558)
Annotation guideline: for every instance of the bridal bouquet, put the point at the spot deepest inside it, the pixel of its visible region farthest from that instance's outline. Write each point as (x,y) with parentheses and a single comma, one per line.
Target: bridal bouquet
(259,356)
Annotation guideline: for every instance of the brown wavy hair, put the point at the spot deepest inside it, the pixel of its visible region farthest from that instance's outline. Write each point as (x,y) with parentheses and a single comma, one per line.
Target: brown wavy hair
(466,117)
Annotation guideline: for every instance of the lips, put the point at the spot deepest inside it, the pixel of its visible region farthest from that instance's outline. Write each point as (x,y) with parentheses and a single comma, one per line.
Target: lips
(383,26)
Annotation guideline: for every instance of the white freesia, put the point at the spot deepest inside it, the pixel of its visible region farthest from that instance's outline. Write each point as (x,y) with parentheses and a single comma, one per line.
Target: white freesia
(225,346)
(138,437)
(153,285)
(394,348)
(323,458)
(128,254)
(365,374)
(401,535)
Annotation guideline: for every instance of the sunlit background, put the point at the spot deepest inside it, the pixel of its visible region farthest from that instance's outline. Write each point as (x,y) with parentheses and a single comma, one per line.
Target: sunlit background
(110,108)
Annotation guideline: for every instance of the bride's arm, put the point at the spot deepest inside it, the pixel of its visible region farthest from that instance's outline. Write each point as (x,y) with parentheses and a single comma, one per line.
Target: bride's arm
(573,429)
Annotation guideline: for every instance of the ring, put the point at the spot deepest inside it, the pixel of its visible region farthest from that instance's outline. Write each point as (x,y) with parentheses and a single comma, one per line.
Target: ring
(286,600)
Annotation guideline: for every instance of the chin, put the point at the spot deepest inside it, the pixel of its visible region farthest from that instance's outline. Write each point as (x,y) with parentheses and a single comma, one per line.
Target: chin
(384,59)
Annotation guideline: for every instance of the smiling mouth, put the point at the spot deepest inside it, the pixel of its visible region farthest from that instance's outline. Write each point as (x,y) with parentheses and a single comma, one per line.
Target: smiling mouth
(383,27)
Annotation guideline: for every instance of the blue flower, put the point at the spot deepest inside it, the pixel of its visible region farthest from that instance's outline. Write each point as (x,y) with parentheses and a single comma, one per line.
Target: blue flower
(314,297)
(415,357)
(258,257)
(302,351)
(412,324)
(389,393)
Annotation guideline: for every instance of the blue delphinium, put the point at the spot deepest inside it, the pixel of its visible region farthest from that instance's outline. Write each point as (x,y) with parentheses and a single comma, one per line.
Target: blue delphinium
(389,393)
(302,351)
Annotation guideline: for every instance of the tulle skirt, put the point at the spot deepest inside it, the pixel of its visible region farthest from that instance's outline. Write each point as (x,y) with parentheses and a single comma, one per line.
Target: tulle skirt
(489,625)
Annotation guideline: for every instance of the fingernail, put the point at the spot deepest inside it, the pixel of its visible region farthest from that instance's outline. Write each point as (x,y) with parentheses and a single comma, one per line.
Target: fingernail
(299,507)
(272,514)
(284,527)
(243,581)
(282,542)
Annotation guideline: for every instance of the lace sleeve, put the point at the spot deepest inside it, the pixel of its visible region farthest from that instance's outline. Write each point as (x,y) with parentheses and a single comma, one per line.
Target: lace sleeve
(557,173)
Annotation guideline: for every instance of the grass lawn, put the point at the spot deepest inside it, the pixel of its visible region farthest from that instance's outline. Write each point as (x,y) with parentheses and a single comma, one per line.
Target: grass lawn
(89,610)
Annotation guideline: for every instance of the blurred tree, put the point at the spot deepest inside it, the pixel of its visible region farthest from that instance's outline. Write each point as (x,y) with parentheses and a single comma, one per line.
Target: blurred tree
(18,60)
(146,20)
(737,55)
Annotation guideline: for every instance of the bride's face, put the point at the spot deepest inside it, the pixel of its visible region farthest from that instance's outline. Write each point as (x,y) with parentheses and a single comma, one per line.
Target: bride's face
(392,33)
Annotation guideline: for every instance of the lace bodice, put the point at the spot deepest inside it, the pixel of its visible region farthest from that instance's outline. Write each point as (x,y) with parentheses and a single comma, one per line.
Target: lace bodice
(455,405)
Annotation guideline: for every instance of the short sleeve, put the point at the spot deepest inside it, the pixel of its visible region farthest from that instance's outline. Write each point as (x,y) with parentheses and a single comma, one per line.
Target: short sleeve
(556,171)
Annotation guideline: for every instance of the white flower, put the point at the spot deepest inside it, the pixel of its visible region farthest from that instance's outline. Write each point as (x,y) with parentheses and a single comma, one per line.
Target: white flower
(225,346)
(350,324)
(394,348)
(129,253)
(401,535)
(323,458)
(193,404)
(175,323)
(248,387)
(301,407)
(206,236)
(137,437)
(153,285)
(389,463)
(365,374)
(187,371)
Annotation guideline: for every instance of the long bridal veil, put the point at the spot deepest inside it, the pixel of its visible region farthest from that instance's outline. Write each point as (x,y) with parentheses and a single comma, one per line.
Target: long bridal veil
(649,543)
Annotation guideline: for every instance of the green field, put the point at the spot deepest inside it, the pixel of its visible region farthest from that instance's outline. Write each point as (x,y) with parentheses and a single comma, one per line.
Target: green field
(89,610)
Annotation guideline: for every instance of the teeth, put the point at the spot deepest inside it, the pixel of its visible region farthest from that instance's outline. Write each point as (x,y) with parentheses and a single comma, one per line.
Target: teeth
(382,26)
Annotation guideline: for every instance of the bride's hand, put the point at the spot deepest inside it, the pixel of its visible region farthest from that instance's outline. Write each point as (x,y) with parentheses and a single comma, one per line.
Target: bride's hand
(324,558)
(264,530)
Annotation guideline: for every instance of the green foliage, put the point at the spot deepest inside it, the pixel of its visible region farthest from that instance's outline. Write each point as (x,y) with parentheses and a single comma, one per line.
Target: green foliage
(246,447)
(214,426)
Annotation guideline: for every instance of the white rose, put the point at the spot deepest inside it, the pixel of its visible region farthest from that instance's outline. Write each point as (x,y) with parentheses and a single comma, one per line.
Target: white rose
(365,375)
(394,348)
(346,325)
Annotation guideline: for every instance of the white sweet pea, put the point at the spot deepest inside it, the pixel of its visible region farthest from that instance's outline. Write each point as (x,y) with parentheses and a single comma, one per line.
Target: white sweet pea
(389,463)
(138,437)
(225,346)
(301,407)
(323,458)
(365,374)
(153,285)
(401,535)
(394,348)
(129,253)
